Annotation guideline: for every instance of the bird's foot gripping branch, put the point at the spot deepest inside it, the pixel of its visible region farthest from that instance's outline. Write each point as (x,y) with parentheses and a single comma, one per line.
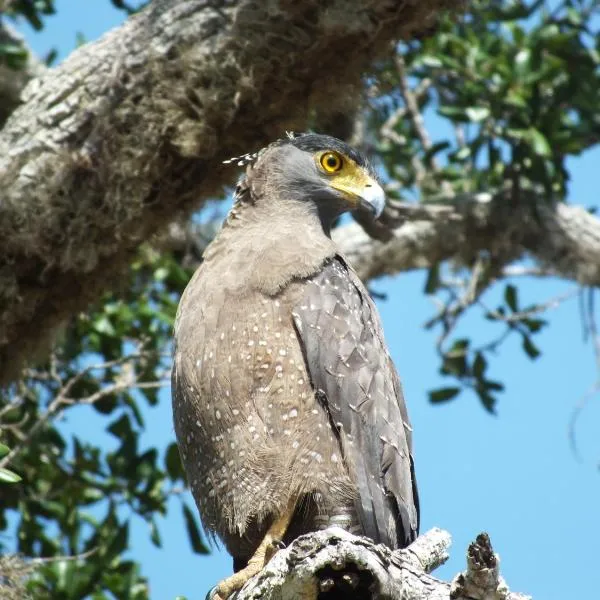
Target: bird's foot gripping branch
(334,564)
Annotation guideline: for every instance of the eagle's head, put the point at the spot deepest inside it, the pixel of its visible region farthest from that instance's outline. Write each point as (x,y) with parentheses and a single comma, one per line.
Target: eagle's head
(320,170)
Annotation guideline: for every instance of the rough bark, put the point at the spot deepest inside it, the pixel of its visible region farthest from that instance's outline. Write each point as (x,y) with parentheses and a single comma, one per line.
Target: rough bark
(335,564)
(563,239)
(131,130)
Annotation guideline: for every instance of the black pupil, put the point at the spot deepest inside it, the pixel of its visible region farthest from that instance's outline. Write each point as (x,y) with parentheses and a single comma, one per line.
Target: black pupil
(332,161)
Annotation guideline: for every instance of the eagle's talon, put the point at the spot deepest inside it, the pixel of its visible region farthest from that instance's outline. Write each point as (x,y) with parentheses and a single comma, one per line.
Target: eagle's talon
(279,544)
(275,545)
(213,594)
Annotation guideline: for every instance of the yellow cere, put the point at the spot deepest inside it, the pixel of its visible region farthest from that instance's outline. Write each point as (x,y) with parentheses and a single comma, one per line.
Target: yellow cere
(346,176)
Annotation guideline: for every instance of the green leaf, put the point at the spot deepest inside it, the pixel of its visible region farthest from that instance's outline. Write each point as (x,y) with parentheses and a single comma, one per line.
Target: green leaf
(13,55)
(104,326)
(479,365)
(137,414)
(155,534)
(433,279)
(510,297)
(4,450)
(522,60)
(443,394)
(7,476)
(121,428)
(534,325)
(488,401)
(548,31)
(50,57)
(80,39)
(574,17)
(515,100)
(454,113)
(459,347)
(91,495)
(463,153)
(496,386)
(430,61)
(118,543)
(435,149)
(65,570)
(173,462)
(161,274)
(193,531)
(530,348)
(477,113)
(452,173)
(539,142)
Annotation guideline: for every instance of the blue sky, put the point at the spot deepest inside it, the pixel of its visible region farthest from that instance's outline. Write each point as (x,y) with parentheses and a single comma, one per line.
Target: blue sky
(513,475)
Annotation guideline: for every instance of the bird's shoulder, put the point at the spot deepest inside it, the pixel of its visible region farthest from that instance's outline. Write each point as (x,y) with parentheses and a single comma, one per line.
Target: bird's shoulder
(337,295)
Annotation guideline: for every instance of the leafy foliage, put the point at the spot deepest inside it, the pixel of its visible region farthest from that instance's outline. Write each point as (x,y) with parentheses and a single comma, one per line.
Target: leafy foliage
(518,86)
(514,89)
(128,7)
(111,359)
(33,10)
(6,475)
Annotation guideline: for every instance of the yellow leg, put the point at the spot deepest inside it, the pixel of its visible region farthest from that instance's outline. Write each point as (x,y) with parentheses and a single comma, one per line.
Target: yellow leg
(263,554)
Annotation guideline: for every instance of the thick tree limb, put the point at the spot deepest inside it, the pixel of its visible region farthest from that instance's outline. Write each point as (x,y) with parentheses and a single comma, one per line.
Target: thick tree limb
(562,238)
(131,130)
(336,564)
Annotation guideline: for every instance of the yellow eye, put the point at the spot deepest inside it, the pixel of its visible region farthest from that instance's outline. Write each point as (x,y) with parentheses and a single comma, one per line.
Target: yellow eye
(331,162)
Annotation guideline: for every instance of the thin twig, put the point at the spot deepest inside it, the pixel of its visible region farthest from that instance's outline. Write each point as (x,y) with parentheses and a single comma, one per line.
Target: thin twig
(386,131)
(62,400)
(412,108)
(590,330)
(515,317)
(450,312)
(50,559)
(519,271)
(593,326)
(589,394)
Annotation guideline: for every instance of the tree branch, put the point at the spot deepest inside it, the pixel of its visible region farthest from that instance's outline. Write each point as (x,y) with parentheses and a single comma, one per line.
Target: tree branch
(563,239)
(334,563)
(130,131)
(125,379)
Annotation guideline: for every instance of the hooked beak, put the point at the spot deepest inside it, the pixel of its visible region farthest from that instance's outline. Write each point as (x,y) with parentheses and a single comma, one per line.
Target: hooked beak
(372,198)
(362,192)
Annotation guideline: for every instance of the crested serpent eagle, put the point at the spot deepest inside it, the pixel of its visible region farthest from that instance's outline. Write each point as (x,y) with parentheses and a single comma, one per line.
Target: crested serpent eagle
(288,410)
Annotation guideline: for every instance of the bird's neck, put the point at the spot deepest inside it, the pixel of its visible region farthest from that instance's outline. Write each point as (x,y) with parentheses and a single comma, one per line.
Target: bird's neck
(271,244)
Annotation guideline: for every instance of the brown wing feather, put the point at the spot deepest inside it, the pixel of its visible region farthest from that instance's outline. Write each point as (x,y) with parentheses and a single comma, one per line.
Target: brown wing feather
(351,370)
